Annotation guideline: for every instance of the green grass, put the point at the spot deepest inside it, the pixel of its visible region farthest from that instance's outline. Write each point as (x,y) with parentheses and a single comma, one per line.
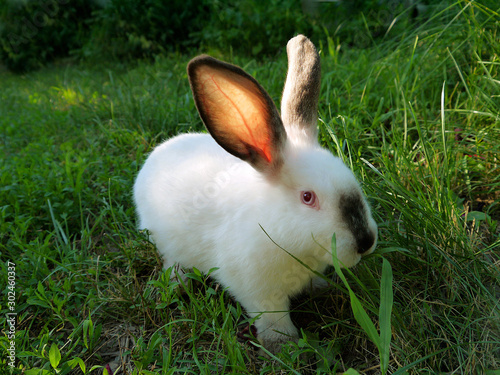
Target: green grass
(417,117)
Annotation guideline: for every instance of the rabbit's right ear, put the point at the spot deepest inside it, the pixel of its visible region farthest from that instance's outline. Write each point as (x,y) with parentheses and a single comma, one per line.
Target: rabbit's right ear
(299,104)
(238,113)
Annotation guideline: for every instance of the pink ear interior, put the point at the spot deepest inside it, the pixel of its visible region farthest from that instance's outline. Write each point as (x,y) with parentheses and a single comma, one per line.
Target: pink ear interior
(235,110)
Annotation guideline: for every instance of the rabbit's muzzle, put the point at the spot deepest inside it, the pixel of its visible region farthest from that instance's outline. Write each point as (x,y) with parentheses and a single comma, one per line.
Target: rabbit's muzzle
(365,241)
(358,220)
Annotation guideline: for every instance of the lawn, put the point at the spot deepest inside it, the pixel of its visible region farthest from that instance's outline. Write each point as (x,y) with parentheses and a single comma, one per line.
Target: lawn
(415,114)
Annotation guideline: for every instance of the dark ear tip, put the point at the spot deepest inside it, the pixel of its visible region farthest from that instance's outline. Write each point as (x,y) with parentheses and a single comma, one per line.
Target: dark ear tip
(211,62)
(206,60)
(196,61)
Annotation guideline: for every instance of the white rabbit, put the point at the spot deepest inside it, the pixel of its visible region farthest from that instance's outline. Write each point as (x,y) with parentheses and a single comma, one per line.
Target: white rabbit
(257,185)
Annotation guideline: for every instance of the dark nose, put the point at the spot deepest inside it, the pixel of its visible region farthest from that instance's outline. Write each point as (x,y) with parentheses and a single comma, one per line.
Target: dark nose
(364,241)
(355,215)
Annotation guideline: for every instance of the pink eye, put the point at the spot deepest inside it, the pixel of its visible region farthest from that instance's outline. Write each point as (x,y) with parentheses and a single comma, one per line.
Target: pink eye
(310,199)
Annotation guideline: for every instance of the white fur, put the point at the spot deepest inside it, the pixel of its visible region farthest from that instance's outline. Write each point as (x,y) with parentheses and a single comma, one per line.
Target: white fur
(206,208)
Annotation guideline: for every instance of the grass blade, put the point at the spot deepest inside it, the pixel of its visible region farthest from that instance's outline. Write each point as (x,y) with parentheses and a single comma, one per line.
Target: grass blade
(363,319)
(385,312)
(359,312)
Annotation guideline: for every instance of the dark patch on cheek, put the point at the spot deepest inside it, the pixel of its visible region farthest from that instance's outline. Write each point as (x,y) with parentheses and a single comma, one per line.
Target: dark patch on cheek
(355,215)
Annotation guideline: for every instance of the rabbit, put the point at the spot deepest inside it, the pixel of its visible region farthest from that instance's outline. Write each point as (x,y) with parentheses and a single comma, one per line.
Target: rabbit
(256,193)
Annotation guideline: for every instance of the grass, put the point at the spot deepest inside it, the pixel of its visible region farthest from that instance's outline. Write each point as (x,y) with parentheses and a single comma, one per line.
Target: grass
(416,115)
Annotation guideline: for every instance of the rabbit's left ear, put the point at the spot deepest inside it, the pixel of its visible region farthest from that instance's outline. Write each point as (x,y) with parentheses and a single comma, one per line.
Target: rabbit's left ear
(299,104)
(238,113)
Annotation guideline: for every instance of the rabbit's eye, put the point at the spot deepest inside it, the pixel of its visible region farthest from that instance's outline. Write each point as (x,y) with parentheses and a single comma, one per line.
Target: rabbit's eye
(309,198)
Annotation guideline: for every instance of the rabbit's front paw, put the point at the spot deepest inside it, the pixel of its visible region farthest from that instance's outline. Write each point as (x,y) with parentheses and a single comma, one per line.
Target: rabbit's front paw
(273,341)
(318,284)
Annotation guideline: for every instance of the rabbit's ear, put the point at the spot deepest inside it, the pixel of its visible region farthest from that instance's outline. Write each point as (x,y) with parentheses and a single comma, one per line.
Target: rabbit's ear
(238,113)
(299,104)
